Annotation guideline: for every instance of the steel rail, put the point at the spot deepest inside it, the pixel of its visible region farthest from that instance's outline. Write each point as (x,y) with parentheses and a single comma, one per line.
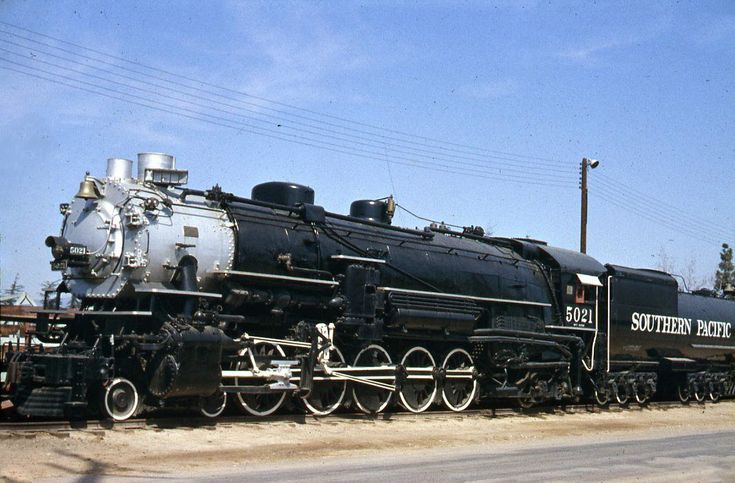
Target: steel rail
(174,421)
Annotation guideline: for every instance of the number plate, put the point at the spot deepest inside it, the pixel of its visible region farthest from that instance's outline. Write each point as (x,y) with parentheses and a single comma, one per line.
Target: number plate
(77,250)
(59,266)
(579,315)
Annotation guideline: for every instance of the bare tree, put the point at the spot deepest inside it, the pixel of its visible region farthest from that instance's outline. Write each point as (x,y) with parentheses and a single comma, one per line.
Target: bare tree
(16,288)
(664,261)
(686,271)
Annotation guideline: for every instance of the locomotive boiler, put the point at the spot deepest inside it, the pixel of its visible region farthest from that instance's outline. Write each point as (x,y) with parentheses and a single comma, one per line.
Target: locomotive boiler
(188,296)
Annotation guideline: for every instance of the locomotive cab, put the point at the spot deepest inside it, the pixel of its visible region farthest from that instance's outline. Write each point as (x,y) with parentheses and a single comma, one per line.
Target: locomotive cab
(579,300)
(574,280)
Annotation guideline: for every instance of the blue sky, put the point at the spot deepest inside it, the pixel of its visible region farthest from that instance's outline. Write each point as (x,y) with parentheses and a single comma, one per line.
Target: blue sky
(648,88)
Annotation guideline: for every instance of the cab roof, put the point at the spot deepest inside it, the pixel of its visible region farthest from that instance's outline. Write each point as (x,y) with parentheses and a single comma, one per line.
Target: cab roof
(566,260)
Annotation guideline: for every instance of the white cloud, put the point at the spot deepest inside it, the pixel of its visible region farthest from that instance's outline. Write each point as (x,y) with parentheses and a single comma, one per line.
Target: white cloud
(299,57)
(27,98)
(592,50)
(31,97)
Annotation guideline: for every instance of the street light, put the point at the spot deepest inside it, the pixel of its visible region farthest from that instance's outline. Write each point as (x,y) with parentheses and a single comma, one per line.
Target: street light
(591,163)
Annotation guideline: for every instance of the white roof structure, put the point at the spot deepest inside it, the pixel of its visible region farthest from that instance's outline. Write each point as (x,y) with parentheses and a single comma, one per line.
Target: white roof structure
(23,298)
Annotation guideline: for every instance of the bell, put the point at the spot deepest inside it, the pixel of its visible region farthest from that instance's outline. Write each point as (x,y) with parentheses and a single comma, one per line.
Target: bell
(390,208)
(88,190)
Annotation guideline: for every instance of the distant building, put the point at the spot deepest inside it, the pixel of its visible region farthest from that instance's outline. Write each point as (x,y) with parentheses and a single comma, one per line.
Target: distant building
(23,298)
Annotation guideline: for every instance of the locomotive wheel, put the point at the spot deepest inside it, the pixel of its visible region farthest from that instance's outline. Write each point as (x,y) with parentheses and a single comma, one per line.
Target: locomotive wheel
(602,397)
(700,394)
(212,406)
(263,404)
(416,395)
(684,394)
(526,402)
(326,396)
(369,399)
(621,395)
(120,399)
(642,395)
(458,394)
(715,394)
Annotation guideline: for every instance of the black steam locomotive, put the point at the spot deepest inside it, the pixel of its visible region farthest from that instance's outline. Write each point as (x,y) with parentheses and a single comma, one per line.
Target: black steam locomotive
(189,296)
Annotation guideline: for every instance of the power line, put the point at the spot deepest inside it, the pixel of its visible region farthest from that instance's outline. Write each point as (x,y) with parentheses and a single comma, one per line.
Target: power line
(516,170)
(675,216)
(390,173)
(437,142)
(645,198)
(653,219)
(227,123)
(670,221)
(261,131)
(512,164)
(228,112)
(667,222)
(442,168)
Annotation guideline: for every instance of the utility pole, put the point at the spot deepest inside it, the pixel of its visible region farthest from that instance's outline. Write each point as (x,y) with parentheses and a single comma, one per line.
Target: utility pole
(586,163)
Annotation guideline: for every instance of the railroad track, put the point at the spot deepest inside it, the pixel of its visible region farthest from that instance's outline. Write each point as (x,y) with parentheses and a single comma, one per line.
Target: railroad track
(174,421)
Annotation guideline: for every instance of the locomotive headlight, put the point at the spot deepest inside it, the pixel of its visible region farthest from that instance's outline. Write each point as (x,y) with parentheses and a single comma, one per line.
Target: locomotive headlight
(66,254)
(57,244)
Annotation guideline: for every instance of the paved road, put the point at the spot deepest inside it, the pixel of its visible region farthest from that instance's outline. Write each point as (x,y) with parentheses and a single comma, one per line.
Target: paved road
(708,457)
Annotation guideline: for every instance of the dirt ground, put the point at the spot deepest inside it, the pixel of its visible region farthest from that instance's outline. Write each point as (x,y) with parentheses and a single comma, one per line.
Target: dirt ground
(161,452)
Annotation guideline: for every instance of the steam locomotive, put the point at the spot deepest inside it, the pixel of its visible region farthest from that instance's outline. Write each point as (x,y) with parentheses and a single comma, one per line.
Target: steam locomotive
(188,297)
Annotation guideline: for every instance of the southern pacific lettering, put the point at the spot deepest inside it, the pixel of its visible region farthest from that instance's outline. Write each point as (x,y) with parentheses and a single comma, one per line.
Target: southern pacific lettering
(663,324)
